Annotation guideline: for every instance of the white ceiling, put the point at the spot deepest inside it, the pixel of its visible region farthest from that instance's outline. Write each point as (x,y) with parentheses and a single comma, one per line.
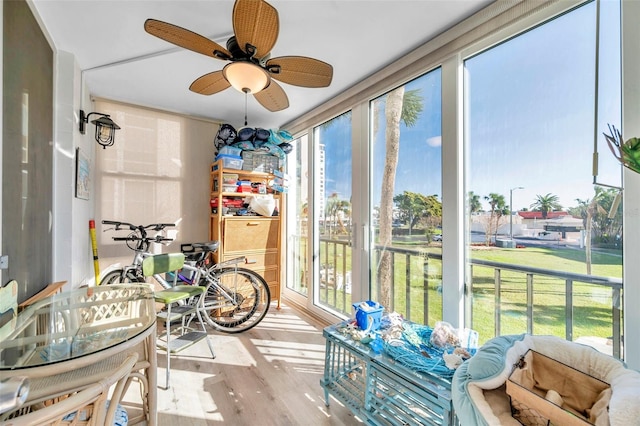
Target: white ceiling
(120,61)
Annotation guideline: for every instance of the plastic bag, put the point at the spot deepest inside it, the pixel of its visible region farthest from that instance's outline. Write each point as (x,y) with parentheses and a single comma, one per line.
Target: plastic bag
(469,340)
(444,335)
(264,206)
(225,136)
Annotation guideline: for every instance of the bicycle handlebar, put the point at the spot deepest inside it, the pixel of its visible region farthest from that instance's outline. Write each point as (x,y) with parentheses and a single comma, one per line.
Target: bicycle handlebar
(131,226)
(140,233)
(160,226)
(119,224)
(131,238)
(157,238)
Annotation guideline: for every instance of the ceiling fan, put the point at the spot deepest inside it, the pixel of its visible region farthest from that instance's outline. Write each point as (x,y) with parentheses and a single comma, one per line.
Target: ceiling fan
(250,69)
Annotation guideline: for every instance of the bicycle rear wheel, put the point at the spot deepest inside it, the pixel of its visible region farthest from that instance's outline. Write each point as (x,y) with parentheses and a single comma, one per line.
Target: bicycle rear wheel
(118,276)
(236,299)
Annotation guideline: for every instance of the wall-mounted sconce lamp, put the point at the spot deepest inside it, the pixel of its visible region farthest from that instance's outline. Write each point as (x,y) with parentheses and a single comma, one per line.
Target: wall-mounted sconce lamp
(105,128)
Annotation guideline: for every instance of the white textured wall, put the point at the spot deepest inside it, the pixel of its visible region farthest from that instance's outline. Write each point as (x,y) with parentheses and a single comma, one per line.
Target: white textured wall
(72,256)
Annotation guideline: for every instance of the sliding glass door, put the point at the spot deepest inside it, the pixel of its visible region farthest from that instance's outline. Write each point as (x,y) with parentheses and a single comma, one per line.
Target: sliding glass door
(319,224)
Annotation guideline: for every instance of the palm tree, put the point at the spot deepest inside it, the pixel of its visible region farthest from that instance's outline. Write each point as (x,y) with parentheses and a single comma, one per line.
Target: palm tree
(336,209)
(498,210)
(398,107)
(546,204)
(608,222)
(590,208)
(343,210)
(474,203)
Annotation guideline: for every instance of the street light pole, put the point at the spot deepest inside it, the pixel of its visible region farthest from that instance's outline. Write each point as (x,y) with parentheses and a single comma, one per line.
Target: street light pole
(511,211)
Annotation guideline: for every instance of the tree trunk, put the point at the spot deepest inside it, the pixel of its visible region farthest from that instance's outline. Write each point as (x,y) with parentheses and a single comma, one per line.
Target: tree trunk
(587,236)
(393,113)
(411,219)
(489,231)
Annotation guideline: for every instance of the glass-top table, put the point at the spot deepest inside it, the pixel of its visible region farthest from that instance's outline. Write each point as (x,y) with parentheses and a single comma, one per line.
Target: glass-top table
(58,341)
(77,323)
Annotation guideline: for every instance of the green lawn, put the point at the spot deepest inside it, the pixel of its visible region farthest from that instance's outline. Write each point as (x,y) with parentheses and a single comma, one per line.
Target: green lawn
(607,264)
(591,303)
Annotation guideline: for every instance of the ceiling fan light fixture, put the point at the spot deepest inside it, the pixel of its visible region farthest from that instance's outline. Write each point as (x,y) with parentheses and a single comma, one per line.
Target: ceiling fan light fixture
(251,69)
(246,77)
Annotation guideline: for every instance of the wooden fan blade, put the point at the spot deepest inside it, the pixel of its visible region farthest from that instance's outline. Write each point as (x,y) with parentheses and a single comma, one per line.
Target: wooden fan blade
(209,84)
(255,22)
(184,38)
(300,71)
(273,97)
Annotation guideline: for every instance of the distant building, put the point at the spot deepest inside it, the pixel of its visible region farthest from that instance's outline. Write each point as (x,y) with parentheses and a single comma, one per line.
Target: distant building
(556,222)
(558,225)
(538,215)
(321,182)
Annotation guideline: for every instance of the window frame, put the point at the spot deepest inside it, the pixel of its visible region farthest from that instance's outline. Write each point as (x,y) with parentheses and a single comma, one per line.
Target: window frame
(490,26)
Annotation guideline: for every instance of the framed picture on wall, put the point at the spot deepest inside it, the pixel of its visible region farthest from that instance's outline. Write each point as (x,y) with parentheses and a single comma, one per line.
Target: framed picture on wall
(83,175)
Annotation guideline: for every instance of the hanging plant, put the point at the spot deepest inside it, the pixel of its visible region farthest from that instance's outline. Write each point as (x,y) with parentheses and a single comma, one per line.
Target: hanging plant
(627,153)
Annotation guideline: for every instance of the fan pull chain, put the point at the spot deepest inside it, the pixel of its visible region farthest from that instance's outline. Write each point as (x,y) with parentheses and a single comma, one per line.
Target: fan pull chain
(246,91)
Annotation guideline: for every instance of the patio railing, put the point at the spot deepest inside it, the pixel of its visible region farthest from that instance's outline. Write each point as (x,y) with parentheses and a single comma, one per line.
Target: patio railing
(503,298)
(335,275)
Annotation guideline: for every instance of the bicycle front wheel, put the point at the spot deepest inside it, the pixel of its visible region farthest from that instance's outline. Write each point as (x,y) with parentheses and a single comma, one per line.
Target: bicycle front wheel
(236,299)
(118,276)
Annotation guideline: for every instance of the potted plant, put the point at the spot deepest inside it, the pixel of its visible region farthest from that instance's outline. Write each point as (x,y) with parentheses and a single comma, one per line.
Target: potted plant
(628,153)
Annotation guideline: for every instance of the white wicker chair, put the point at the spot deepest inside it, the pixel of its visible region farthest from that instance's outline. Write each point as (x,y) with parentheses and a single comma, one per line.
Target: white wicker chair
(86,407)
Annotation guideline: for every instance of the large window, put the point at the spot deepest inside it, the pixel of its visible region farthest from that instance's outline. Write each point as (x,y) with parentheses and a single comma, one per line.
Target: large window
(156,172)
(544,241)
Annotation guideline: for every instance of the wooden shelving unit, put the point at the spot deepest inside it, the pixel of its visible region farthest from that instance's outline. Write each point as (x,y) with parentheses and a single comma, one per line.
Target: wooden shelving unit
(258,238)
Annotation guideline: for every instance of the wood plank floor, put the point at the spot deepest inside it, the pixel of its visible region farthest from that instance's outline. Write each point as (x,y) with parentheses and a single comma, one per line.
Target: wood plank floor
(268,375)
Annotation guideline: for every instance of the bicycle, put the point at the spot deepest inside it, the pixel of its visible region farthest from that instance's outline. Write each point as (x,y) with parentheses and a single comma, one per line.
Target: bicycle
(235,300)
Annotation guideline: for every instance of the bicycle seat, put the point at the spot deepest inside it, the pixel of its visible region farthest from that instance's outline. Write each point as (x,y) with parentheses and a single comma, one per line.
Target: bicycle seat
(196,252)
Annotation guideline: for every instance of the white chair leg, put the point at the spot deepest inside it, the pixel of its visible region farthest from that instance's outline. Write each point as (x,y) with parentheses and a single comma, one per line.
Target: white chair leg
(168,333)
(198,312)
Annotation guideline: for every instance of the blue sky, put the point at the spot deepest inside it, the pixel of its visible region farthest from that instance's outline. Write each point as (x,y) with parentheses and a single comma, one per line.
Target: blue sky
(530,109)
(420,157)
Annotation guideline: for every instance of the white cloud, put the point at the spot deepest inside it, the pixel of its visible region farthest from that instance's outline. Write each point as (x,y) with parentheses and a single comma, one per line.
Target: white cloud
(435,141)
